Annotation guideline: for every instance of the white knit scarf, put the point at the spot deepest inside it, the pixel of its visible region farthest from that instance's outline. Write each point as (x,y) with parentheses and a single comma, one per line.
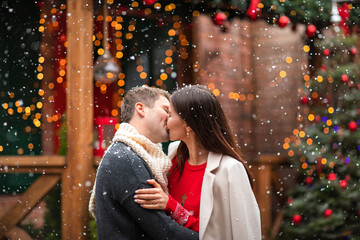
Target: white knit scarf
(152,153)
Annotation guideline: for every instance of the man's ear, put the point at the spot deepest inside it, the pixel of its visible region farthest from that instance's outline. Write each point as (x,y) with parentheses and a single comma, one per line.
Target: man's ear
(140,109)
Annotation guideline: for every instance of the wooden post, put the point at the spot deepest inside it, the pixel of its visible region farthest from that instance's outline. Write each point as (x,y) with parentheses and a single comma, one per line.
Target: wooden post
(77,177)
(47,51)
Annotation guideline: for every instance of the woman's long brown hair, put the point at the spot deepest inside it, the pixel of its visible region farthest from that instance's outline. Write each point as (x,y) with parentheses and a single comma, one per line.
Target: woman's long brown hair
(201,110)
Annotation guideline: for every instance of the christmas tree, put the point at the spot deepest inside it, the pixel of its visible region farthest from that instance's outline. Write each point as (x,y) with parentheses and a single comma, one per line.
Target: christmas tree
(325,150)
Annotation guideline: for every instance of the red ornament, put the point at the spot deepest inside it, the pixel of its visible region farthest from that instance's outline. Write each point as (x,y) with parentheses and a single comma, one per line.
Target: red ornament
(220,18)
(63,38)
(308,180)
(327,212)
(160,22)
(310,31)
(343,183)
(332,176)
(351,84)
(344,78)
(296,219)
(352,126)
(326,52)
(304,100)
(149,2)
(283,21)
(254,11)
(317,118)
(323,68)
(290,200)
(353,50)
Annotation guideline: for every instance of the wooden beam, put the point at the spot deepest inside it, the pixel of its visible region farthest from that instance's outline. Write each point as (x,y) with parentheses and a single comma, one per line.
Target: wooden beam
(42,170)
(28,201)
(32,161)
(77,178)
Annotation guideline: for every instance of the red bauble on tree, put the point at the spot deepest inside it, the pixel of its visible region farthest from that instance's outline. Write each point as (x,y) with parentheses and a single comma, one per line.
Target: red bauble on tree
(327,212)
(353,50)
(297,219)
(283,21)
(220,18)
(343,183)
(326,52)
(344,78)
(352,126)
(149,2)
(308,180)
(310,31)
(304,100)
(332,176)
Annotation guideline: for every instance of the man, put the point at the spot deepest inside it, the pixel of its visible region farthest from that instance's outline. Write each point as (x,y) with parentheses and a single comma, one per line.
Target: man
(132,159)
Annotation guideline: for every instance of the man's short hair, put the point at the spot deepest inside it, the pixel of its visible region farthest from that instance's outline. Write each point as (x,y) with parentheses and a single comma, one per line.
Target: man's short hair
(145,95)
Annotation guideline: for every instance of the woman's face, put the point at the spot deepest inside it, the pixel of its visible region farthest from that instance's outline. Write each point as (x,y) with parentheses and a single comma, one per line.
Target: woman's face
(176,125)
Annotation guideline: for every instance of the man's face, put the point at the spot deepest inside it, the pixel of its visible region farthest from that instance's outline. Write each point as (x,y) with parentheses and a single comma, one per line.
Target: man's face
(156,120)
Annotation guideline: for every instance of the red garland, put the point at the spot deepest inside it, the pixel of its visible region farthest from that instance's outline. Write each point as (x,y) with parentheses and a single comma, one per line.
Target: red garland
(254,12)
(344,13)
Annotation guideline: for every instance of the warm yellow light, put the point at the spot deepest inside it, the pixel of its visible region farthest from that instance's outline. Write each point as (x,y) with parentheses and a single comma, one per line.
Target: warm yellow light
(139,68)
(311,117)
(289,59)
(119,55)
(301,134)
(114,112)
(319,79)
(309,141)
(159,82)
(100,51)
(121,83)
(131,28)
(119,27)
(163,76)
(196,13)
(129,36)
(171,32)
(216,92)
(62,73)
(39,105)
(211,86)
(143,75)
(41,59)
(30,146)
(331,110)
(41,92)
(282,74)
(5,105)
(168,60)
(41,28)
(306,48)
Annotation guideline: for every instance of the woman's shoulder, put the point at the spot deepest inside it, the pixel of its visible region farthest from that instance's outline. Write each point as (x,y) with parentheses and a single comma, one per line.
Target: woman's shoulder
(231,163)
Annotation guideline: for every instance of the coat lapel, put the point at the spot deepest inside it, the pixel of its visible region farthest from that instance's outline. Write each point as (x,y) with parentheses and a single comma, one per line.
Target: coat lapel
(207,196)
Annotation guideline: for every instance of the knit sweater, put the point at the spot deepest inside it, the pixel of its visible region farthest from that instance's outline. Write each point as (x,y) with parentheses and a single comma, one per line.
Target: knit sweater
(185,192)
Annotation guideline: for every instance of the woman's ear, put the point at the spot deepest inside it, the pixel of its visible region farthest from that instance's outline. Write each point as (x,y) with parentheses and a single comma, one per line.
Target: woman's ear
(188,130)
(140,109)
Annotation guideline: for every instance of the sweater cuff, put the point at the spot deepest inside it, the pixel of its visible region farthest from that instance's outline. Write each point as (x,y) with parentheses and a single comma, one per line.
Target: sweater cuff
(171,205)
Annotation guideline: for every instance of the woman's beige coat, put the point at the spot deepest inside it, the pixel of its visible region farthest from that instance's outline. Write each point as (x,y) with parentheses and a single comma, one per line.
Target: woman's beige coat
(228,208)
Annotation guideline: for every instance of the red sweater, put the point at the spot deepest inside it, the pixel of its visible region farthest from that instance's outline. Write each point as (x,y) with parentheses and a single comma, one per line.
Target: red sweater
(185,192)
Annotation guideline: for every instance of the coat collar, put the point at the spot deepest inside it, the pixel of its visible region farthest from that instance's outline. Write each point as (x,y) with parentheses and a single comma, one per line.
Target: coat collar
(213,161)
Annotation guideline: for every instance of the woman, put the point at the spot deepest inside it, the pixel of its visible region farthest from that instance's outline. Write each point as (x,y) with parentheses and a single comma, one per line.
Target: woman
(208,162)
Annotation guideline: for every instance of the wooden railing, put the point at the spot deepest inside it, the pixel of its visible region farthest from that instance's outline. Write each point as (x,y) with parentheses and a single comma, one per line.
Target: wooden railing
(266,174)
(50,166)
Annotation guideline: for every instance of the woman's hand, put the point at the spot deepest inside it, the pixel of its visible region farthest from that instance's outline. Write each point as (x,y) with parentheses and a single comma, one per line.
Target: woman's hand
(151,198)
